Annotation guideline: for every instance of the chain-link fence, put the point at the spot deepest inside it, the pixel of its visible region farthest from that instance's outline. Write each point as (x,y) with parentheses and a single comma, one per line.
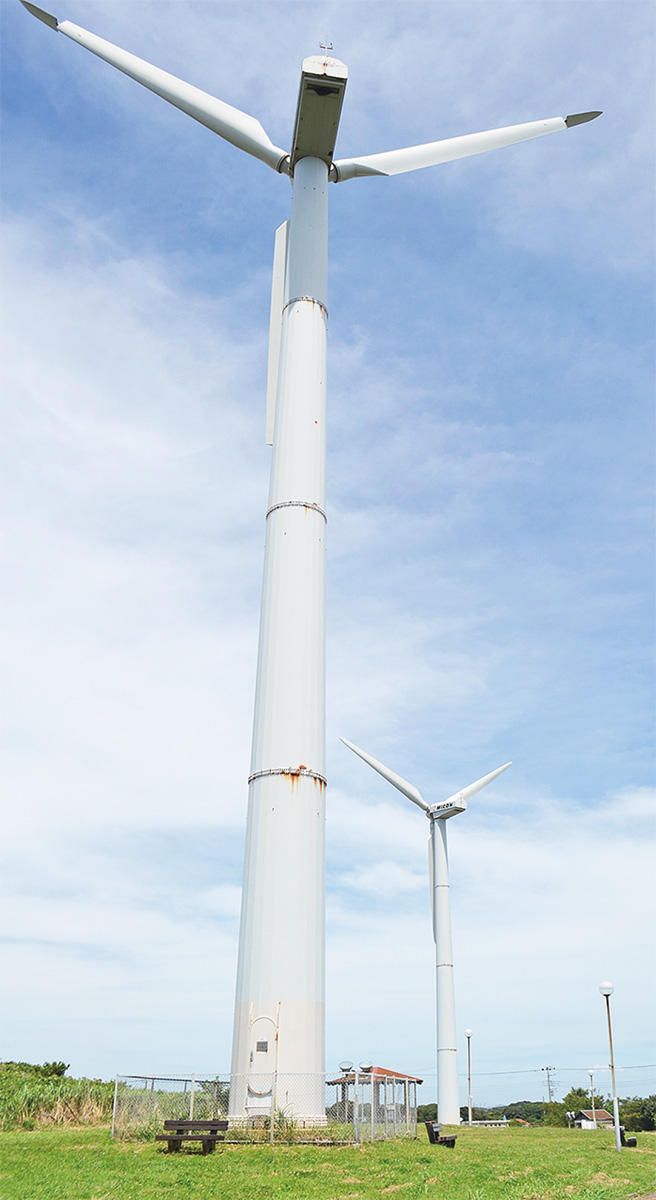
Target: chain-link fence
(355,1107)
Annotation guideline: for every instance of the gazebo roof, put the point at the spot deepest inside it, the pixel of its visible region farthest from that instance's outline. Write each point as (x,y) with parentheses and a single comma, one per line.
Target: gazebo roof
(376,1072)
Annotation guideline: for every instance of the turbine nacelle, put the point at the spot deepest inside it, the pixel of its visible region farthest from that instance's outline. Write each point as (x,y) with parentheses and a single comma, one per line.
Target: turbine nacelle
(320,99)
(442,812)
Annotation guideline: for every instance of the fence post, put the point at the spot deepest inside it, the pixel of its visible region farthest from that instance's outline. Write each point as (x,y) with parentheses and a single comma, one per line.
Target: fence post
(191,1097)
(274,1084)
(356,1109)
(114,1106)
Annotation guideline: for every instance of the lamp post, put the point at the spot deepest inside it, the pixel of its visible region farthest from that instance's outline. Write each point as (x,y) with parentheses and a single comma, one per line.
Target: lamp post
(468,1034)
(346,1068)
(607,990)
(594,1117)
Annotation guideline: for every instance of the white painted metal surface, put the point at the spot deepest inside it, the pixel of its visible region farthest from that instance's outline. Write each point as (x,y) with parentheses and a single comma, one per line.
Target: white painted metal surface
(279,1016)
(320,99)
(430,154)
(448,1108)
(281,950)
(459,799)
(230,123)
(396,781)
(278,301)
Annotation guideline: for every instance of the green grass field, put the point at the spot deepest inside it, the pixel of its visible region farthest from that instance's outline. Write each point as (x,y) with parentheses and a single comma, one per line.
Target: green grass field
(83,1163)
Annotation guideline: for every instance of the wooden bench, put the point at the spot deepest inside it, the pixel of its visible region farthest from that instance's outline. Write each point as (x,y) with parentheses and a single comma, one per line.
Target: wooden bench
(433,1129)
(208,1133)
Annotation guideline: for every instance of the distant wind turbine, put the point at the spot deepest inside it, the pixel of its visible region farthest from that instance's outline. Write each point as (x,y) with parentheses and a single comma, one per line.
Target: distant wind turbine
(448,1108)
(279,1007)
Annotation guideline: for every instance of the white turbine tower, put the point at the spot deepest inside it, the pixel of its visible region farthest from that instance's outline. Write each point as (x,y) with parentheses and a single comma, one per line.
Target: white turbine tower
(279,1013)
(448,1108)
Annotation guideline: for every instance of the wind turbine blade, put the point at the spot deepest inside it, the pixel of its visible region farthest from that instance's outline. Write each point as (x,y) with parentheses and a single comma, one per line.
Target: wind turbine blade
(47,18)
(476,787)
(230,123)
(581,118)
(412,158)
(431,876)
(401,784)
(278,299)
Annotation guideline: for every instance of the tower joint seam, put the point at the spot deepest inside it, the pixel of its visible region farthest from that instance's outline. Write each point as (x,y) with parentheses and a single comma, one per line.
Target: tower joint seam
(297,504)
(289,771)
(307,300)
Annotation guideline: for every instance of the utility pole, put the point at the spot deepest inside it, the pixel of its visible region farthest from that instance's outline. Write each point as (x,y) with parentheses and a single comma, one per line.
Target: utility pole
(550,1087)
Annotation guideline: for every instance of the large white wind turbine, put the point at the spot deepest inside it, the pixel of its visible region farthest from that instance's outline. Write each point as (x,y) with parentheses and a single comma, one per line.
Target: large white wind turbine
(279,1013)
(448,1108)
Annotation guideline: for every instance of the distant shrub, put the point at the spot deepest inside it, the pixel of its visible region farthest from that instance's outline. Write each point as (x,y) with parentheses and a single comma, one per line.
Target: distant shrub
(478,1114)
(426,1112)
(638,1113)
(525,1110)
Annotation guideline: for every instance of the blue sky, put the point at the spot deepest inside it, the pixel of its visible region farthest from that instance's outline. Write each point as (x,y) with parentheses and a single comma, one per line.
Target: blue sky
(490,554)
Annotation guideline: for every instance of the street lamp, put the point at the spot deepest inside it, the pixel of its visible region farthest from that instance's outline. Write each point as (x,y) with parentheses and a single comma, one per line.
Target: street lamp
(607,990)
(594,1117)
(468,1034)
(346,1066)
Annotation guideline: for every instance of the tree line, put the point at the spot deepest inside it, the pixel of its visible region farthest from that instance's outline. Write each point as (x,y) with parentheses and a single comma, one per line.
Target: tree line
(636,1112)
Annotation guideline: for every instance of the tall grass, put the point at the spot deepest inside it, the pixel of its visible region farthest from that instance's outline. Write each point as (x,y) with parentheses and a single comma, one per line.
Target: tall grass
(30,1097)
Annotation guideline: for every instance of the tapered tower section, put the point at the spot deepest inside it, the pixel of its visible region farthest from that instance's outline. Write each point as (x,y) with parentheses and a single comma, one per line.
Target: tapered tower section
(279,1012)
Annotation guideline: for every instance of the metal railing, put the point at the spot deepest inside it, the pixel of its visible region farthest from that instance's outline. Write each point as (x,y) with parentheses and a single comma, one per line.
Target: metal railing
(271,1108)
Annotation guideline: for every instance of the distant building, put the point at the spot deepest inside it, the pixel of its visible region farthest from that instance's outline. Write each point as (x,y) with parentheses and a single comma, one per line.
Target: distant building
(585,1119)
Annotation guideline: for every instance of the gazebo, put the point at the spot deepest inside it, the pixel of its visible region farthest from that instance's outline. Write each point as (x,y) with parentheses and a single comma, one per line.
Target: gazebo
(375,1097)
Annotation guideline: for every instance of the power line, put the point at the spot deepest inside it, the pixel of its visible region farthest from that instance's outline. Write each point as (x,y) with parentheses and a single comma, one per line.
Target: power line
(536,1070)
